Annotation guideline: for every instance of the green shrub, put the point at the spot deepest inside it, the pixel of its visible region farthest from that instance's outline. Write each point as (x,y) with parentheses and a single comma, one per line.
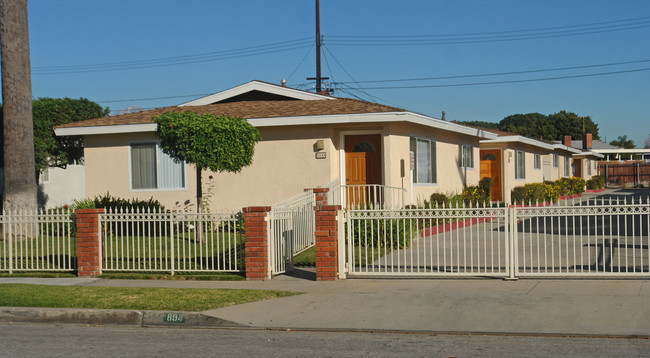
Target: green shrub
(596,182)
(551,191)
(534,193)
(573,185)
(438,200)
(379,232)
(486,185)
(475,196)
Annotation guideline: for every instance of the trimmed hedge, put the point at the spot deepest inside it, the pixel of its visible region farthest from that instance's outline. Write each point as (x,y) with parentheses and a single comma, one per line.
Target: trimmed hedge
(547,191)
(596,182)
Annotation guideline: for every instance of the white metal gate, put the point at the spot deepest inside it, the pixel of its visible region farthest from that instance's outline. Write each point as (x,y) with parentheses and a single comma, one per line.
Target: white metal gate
(291,230)
(604,238)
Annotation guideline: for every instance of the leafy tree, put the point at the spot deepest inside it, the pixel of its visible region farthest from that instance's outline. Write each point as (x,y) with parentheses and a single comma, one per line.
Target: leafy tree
(218,143)
(482,124)
(532,125)
(549,127)
(623,142)
(53,151)
(569,123)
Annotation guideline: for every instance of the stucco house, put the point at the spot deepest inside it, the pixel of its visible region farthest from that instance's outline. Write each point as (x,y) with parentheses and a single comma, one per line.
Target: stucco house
(308,140)
(511,161)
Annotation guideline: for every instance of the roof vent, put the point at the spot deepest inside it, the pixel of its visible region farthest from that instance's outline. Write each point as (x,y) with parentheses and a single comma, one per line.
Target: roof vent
(443,115)
(284,82)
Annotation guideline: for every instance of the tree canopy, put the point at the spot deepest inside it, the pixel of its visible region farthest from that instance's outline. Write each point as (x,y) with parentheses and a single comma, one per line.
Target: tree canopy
(218,143)
(541,126)
(623,142)
(50,150)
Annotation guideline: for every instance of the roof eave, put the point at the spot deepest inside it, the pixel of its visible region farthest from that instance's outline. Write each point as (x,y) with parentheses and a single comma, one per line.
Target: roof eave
(259,86)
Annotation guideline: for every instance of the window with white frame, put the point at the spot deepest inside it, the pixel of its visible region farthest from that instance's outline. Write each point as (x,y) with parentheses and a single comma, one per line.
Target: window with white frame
(556,160)
(567,166)
(588,166)
(424,151)
(151,169)
(538,161)
(520,165)
(466,156)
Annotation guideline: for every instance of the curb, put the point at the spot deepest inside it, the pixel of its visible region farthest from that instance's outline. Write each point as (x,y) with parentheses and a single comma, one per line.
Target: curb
(113,317)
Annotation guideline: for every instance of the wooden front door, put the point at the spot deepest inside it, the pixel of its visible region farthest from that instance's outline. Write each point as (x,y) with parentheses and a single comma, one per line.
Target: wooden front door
(362,167)
(491,168)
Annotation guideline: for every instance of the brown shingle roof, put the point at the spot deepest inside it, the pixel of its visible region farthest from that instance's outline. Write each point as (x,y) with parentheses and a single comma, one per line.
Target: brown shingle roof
(248,109)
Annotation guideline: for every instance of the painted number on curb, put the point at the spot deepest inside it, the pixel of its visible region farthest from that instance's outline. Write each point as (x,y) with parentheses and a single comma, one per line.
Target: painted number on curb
(173,318)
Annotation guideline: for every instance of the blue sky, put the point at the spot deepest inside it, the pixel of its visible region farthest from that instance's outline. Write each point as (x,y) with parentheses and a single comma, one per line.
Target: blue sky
(136,50)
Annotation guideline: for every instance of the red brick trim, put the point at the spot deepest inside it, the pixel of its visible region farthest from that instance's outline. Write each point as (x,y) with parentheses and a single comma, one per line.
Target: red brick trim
(88,242)
(326,242)
(321,195)
(256,244)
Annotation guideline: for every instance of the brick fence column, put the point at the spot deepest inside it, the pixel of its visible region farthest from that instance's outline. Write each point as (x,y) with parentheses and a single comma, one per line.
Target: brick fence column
(321,195)
(88,242)
(257,243)
(326,242)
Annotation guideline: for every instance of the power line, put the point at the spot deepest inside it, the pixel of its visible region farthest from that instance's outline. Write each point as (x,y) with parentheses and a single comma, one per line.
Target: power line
(494,36)
(502,73)
(498,32)
(153,98)
(509,81)
(177,60)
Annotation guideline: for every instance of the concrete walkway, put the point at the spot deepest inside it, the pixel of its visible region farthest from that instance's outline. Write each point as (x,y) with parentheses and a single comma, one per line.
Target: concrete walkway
(574,307)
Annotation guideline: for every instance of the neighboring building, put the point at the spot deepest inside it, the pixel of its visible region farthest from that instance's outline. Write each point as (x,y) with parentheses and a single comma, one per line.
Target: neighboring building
(58,186)
(512,160)
(308,140)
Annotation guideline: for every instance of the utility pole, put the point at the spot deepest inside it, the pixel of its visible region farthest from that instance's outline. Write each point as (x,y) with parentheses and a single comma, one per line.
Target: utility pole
(19,168)
(318,77)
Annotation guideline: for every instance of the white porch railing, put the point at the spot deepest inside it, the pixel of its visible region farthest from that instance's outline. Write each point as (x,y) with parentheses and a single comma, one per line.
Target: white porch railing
(588,239)
(292,225)
(375,196)
(37,241)
(153,240)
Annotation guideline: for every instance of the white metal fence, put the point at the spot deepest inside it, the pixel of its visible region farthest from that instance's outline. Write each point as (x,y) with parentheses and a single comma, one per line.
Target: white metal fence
(291,230)
(606,237)
(37,241)
(154,240)
(428,242)
(592,238)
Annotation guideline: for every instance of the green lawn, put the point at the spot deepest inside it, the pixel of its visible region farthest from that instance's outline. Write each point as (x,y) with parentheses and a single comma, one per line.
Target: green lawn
(172,299)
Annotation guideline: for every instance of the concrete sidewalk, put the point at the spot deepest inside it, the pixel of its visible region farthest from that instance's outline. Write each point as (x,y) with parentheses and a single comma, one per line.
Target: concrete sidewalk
(574,307)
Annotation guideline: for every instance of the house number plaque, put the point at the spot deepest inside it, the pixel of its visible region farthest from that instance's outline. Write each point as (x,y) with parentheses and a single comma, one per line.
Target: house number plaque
(321,155)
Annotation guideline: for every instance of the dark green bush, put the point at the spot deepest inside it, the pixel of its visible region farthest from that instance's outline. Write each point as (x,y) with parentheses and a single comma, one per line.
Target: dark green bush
(596,182)
(438,200)
(378,232)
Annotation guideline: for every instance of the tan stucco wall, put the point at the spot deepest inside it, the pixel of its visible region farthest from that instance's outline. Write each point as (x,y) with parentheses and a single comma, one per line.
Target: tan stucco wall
(107,170)
(284,164)
(451,179)
(531,174)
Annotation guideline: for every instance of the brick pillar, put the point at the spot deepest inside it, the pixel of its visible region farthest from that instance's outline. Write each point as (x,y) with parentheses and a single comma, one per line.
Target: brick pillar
(257,243)
(326,242)
(88,242)
(321,195)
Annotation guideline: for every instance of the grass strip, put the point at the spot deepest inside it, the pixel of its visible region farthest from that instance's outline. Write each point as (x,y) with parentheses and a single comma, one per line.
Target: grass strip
(215,276)
(134,298)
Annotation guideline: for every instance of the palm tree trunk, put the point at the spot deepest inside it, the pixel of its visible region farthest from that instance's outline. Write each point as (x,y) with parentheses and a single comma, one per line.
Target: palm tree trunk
(19,182)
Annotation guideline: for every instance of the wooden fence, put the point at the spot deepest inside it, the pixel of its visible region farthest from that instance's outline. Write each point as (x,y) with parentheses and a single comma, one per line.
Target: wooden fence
(627,173)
